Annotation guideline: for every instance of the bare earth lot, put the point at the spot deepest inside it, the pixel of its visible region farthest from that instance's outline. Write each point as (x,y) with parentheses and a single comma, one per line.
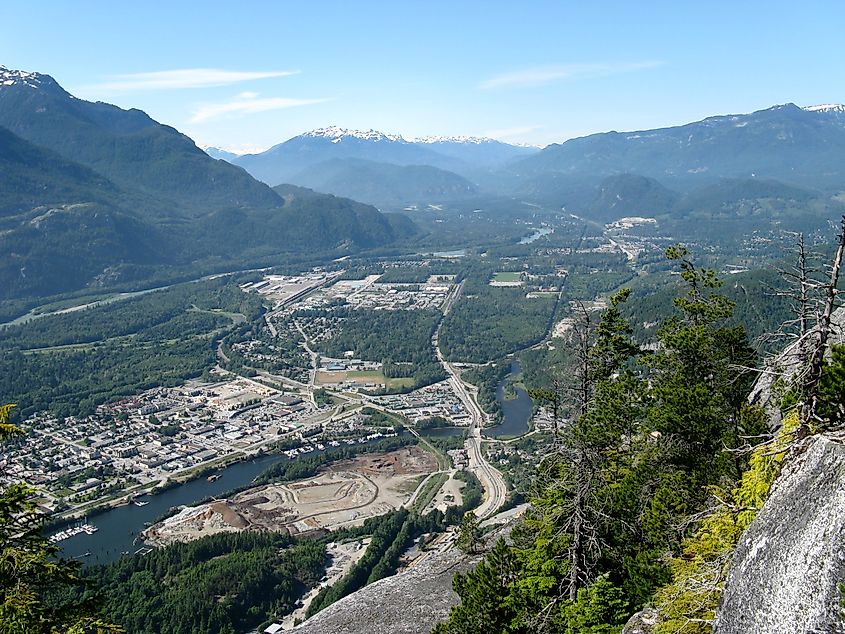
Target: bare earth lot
(344,493)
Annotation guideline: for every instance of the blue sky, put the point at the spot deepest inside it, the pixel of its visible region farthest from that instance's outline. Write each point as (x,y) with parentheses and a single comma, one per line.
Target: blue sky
(248,75)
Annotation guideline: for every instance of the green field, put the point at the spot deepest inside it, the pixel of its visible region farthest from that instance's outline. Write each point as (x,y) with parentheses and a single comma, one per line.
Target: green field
(431,488)
(370,376)
(366,376)
(507,276)
(401,382)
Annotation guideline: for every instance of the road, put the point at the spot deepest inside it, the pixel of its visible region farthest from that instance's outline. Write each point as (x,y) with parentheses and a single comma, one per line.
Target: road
(495,489)
(314,361)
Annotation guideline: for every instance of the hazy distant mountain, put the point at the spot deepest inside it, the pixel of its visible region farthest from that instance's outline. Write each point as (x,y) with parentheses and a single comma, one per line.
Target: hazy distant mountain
(458,154)
(632,195)
(477,151)
(92,194)
(730,198)
(384,184)
(805,146)
(217,153)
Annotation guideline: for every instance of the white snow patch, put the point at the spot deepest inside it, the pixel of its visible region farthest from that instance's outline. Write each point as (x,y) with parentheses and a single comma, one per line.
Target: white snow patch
(335,132)
(10,77)
(826,107)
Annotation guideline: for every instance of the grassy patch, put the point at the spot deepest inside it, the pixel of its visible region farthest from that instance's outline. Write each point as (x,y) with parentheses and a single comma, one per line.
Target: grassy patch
(507,276)
(237,318)
(434,484)
(366,376)
(361,376)
(400,382)
(409,486)
(443,460)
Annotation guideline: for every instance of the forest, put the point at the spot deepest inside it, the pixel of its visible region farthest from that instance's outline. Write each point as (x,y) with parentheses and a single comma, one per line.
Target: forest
(622,509)
(252,577)
(399,339)
(71,362)
(488,323)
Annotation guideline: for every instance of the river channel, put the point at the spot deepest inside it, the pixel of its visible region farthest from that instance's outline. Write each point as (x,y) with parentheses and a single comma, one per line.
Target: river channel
(118,528)
(516,412)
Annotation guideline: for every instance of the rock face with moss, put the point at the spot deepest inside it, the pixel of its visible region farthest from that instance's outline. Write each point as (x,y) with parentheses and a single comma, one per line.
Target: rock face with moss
(788,565)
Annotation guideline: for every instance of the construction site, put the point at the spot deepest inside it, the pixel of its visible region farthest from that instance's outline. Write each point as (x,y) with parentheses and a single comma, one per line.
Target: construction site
(344,493)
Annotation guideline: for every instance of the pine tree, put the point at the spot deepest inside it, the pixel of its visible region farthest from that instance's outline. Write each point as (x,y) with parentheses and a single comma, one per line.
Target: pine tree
(30,569)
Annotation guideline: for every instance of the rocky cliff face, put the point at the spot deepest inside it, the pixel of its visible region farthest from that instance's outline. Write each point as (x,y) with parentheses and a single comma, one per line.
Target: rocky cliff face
(789,563)
(412,602)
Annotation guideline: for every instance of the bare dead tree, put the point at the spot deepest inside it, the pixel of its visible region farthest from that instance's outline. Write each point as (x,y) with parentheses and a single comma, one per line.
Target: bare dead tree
(812,291)
(802,283)
(820,339)
(581,385)
(802,287)
(577,388)
(571,464)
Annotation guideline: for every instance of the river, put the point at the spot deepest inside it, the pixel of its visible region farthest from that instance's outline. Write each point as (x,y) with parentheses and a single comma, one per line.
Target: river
(539,233)
(516,412)
(119,527)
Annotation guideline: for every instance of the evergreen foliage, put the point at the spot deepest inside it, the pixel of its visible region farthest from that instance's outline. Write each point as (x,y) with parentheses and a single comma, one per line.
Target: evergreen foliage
(489,322)
(70,363)
(649,448)
(399,339)
(31,572)
(224,583)
(832,388)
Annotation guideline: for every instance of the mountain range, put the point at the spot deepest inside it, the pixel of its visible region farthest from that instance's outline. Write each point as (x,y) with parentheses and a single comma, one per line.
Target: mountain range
(305,154)
(802,147)
(95,196)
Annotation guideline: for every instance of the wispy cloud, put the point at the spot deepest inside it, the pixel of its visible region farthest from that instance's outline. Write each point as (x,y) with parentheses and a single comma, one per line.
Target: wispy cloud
(182,78)
(509,133)
(542,75)
(248,103)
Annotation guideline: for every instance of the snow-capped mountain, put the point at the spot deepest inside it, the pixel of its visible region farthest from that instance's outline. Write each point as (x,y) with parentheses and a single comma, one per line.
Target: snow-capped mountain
(337,134)
(472,140)
(10,77)
(464,155)
(217,153)
(129,198)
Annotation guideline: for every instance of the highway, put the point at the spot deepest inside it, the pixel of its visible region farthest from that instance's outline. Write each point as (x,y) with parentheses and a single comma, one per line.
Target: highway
(495,489)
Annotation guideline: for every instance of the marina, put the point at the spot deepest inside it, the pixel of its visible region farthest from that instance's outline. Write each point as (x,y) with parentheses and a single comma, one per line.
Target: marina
(88,529)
